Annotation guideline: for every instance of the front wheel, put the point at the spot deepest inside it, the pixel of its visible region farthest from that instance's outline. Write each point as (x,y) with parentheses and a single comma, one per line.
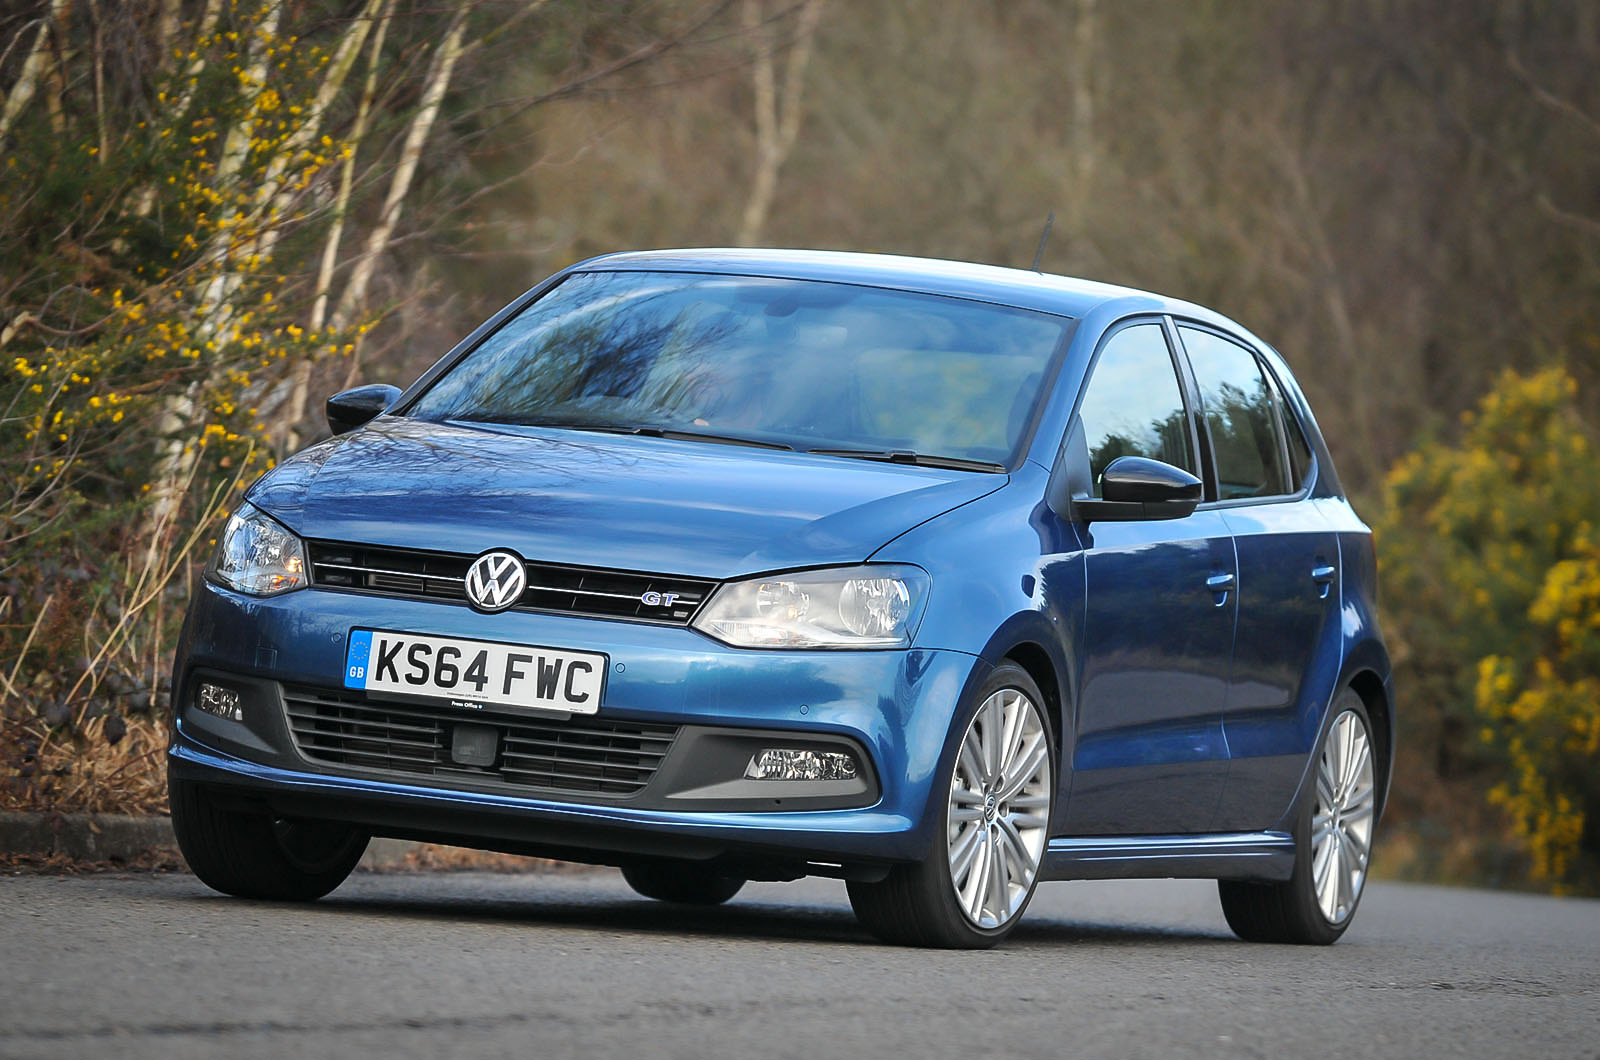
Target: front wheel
(997,797)
(256,855)
(1333,845)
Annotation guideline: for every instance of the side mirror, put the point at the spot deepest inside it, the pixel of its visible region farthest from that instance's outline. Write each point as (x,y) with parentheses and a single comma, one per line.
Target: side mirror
(1134,487)
(349,409)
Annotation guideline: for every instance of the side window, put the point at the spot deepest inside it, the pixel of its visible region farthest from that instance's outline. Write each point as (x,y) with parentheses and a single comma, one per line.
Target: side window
(1134,406)
(1237,401)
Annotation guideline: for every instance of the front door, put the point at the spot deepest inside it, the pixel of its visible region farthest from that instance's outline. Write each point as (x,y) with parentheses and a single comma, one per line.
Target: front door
(1149,757)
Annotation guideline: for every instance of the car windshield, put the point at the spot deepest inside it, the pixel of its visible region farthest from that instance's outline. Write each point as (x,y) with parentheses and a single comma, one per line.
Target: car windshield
(807,365)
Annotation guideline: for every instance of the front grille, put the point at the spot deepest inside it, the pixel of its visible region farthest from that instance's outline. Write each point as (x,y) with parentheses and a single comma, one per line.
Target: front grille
(589,591)
(583,756)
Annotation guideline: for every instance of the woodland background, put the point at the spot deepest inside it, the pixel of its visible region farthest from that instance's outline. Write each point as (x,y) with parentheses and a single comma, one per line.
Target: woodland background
(213,213)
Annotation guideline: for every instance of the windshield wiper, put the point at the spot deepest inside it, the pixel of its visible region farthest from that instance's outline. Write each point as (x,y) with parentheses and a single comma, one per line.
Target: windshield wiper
(906,456)
(649,431)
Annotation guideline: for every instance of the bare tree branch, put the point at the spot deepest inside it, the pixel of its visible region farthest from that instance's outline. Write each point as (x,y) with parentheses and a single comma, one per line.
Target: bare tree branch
(1549,99)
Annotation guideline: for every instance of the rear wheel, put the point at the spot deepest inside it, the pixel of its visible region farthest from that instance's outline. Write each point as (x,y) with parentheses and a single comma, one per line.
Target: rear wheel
(256,855)
(1333,845)
(683,882)
(972,892)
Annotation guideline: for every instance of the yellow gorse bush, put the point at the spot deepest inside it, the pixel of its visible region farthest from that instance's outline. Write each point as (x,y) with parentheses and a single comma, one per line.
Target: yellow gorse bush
(183,295)
(1491,566)
(153,312)
(1551,710)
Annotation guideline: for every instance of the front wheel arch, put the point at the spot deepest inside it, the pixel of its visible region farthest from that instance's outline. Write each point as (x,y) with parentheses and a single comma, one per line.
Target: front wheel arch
(1044,645)
(1025,641)
(1033,658)
(919,903)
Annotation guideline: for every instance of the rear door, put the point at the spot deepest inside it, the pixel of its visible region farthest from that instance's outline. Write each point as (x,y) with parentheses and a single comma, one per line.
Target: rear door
(1159,612)
(1288,579)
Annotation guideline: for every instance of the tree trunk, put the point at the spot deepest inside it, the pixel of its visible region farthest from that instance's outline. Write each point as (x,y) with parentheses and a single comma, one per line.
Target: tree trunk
(439,73)
(168,22)
(208,26)
(777,117)
(300,388)
(1080,77)
(178,452)
(35,68)
(1345,340)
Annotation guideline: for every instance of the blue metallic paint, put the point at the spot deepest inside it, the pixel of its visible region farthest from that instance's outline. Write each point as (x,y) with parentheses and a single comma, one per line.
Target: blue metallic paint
(899,704)
(652,504)
(1158,766)
(1009,579)
(1286,649)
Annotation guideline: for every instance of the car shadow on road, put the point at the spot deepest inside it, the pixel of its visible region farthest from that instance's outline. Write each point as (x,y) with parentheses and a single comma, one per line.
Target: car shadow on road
(1069,932)
(736,920)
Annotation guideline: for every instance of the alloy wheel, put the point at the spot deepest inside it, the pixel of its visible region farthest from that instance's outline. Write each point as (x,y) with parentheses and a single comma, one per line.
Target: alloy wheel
(999,808)
(1341,823)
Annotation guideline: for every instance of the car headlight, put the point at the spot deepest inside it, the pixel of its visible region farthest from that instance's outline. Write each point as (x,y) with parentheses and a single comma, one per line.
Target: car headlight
(873,606)
(256,555)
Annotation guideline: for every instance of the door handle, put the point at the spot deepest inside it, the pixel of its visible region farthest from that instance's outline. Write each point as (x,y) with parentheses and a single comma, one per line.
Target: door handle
(1220,584)
(1323,574)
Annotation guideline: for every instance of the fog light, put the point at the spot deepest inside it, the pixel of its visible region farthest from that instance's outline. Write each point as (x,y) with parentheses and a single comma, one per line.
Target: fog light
(790,763)
(223,702)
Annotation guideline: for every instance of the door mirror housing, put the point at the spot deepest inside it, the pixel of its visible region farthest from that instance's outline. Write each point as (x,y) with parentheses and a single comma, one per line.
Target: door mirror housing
(349,409)
(1136,487)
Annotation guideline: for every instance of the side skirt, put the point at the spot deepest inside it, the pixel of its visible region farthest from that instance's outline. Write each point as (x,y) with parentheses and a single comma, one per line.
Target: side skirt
(1262,856)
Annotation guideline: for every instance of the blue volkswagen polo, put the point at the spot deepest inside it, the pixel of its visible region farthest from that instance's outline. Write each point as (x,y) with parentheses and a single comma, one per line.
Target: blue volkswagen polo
(941,579)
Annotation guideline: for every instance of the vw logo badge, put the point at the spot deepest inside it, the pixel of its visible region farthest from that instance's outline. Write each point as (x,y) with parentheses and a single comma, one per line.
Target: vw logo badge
(495,581)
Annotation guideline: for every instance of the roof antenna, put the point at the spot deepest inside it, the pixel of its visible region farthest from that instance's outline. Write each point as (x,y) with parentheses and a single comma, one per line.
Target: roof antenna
(1044,237)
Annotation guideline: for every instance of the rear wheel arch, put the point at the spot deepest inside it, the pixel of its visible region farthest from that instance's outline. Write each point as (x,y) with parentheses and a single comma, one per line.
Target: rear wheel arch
(1332,827)
(1375,697)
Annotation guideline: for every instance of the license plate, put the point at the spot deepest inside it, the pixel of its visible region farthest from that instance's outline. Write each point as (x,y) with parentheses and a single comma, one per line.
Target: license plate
(475,673)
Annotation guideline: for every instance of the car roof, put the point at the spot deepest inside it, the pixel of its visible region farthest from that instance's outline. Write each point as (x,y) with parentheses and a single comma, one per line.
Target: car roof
(1021,288)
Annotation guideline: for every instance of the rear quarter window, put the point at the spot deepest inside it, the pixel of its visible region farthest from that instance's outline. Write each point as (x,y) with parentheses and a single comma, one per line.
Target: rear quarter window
(1241,416)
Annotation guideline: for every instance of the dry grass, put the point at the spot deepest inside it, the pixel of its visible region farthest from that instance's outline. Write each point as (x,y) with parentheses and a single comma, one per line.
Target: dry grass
(433,857)
(156,859)
(84,772)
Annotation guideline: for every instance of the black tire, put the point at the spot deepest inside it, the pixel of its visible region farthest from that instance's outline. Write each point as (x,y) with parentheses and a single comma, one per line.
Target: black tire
(254,855)
(1289,912)
(916,904)
(682,882)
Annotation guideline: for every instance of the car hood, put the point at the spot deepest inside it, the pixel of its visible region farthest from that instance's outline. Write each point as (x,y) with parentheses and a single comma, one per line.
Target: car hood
(620,501)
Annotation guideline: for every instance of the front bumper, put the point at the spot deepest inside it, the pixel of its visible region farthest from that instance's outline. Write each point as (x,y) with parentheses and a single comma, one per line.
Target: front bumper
(894,709)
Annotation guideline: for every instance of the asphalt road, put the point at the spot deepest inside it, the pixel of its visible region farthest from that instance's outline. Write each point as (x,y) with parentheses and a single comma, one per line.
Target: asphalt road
(572,964)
